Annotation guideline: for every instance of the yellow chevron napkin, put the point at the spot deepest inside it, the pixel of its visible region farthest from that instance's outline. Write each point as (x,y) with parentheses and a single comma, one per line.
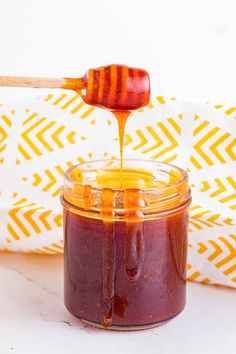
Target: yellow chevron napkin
(43,136)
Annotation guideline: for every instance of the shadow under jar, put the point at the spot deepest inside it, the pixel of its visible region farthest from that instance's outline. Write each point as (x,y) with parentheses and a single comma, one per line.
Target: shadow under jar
(125,242)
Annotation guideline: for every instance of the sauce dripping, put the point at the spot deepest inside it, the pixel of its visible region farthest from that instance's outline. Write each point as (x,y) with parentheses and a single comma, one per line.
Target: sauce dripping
(121,117)
(119,89)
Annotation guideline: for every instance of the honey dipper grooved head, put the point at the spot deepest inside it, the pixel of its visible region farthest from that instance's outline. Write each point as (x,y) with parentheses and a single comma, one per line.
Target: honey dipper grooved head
(117,87)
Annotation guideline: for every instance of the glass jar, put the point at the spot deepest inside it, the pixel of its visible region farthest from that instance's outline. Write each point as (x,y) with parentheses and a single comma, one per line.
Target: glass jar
(125,242)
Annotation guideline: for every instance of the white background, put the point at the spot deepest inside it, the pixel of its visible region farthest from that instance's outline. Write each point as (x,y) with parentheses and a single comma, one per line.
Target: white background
(188,46)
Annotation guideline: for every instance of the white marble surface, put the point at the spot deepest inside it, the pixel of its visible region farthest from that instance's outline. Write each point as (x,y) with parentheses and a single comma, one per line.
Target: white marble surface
(33,319)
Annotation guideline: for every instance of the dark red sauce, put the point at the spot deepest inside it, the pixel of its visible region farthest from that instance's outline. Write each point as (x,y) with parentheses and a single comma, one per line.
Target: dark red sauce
(155,295)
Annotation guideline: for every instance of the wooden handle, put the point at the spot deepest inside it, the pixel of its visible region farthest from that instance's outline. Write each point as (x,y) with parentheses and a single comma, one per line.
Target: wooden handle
(42,82)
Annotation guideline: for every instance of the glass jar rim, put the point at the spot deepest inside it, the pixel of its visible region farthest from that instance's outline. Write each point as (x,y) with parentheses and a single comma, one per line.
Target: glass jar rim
(167,198)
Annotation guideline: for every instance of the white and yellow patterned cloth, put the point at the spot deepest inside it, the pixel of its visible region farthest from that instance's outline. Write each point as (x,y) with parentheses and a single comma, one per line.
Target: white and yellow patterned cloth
(42,137)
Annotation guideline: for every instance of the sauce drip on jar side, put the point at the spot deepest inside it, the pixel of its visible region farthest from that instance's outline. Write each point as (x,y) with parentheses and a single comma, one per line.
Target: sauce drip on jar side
(108,256)
(134,242)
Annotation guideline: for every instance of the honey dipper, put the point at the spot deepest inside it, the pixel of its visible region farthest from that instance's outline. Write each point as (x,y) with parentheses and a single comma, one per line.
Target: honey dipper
(114,87)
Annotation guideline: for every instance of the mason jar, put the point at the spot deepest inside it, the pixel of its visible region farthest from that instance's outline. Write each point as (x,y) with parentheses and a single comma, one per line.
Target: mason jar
(125,236)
